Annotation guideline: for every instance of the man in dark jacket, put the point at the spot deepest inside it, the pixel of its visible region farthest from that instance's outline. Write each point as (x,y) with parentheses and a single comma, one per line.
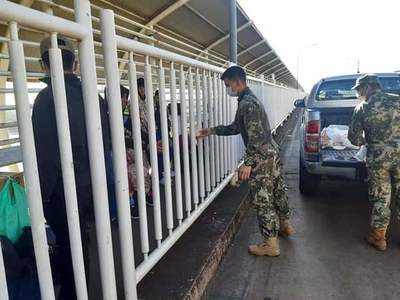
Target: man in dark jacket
(48,158)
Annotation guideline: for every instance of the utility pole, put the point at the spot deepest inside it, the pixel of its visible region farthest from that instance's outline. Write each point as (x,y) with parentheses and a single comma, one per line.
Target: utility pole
(233,32)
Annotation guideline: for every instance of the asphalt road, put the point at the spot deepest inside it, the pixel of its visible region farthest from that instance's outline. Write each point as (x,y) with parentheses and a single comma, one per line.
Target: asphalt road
(326,259)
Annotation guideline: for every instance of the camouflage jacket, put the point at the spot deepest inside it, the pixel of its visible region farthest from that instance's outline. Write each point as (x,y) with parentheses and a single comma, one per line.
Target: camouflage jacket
(379,119)
(252,123)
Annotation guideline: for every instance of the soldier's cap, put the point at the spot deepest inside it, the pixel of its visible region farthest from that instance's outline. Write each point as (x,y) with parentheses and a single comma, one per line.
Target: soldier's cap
(366,79)
(63,42)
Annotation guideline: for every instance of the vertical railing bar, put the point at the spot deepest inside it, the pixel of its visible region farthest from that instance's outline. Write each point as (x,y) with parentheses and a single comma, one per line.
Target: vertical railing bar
(226,121)
(166,154)
(119,153)
(193,150)
(216,123)
(67,167)
(230,144)
(185,145)
(223,118)
(96,151)
(137,140)
(153,151)
(206,141)
(200,142)
(235,142)
(222,121)
(177,155)
(25,129)
(211,124)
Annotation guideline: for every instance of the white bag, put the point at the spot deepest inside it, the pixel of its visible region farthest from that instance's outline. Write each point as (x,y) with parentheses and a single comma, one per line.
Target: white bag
(362,154)
(335,137)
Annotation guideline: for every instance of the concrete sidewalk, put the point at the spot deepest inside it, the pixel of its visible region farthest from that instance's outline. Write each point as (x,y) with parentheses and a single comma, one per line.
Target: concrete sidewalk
(326,259)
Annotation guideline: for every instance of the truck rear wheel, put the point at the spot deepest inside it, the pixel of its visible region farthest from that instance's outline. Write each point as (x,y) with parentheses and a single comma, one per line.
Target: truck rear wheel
(308,183)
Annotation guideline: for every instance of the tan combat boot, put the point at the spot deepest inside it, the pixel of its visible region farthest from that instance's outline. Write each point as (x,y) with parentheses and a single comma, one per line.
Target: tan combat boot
(286,229)
(270,247)
(377,238)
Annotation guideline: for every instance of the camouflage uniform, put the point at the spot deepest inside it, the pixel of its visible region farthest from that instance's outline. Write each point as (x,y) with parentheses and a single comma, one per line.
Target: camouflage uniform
(266,183)
(379,118)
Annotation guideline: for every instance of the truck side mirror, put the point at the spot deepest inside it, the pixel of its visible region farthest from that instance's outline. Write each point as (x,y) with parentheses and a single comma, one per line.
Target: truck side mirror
(300,103)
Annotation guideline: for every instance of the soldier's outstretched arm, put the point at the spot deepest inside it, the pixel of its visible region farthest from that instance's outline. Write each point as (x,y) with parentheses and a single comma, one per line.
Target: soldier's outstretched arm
(255,132)
(356,128)
(225,130)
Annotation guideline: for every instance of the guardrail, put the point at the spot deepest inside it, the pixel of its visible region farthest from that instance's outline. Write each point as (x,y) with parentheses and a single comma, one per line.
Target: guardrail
(207,165)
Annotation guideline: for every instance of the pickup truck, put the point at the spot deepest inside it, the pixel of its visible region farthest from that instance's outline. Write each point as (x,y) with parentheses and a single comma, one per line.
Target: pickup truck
(331,102)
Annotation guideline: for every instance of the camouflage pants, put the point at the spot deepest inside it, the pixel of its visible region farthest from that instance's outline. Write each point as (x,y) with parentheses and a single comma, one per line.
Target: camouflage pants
(268,194)
(383,184)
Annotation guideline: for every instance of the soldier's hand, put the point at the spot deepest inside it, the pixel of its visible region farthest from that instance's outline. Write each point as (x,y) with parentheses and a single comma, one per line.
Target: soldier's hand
(244,172)
(202,133)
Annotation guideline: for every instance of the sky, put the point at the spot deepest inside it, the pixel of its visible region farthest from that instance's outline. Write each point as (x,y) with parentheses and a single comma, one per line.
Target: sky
(327,38)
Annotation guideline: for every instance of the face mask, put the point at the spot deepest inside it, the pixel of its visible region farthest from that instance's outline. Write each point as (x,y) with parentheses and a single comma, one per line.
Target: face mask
(231,92)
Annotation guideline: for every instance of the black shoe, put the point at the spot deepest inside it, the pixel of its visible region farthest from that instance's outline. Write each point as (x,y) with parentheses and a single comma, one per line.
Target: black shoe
(135,212)
(149,200)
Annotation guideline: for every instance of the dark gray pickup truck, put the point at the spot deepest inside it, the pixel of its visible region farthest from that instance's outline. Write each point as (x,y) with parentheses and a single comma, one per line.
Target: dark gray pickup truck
(331,102)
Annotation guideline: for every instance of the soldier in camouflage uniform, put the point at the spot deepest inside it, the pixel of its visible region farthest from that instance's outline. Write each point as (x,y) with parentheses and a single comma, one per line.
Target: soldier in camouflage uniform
(261,166)
(378,116)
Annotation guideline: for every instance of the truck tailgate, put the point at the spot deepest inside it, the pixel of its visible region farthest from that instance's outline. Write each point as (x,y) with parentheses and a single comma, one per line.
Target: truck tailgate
(340,158)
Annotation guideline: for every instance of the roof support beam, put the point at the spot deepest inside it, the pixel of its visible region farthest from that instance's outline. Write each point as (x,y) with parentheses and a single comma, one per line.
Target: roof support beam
(259,57)
(251,47)
(216,27)
(226,36)
(169,10)
(285,80)
(273,69)
(268,72)
(283,75)
(267,64)
(197,13)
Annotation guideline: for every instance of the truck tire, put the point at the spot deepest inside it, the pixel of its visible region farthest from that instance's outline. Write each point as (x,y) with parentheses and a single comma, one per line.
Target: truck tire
(308,183)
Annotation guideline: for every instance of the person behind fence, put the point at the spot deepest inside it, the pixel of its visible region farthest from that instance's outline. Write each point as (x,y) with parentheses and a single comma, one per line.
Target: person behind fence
(262,166)
(48,159)
(376,124)
(130,155)
(145,123)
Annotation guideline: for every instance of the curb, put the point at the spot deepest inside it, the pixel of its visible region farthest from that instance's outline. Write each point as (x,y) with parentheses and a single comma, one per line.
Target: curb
(198,290)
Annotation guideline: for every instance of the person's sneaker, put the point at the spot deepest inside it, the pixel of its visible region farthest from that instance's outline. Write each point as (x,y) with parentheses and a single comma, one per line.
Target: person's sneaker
(135,212)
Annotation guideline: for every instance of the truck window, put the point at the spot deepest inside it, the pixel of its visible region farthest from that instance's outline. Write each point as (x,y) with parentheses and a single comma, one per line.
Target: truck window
(336,90)
(341,89)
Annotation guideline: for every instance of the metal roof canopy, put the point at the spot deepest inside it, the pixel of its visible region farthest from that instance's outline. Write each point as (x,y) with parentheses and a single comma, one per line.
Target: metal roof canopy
(193,24)
(206,23)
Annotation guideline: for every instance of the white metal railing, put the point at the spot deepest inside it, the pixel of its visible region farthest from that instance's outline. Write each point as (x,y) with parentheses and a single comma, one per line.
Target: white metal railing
(208,165)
